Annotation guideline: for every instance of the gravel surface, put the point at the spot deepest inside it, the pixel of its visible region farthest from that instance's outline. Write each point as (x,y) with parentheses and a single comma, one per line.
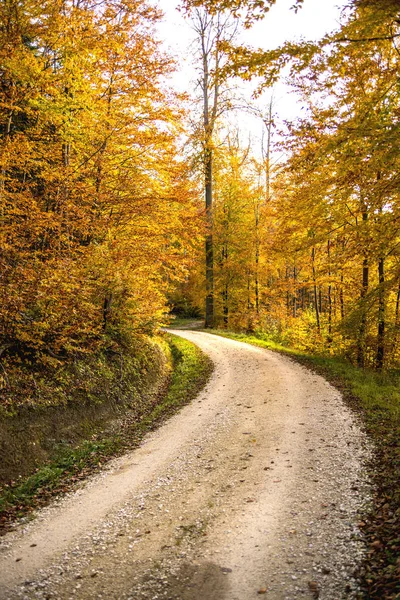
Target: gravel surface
(254,489)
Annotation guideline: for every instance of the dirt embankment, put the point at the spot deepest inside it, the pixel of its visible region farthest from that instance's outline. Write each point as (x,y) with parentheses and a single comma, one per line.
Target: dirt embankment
(81,399)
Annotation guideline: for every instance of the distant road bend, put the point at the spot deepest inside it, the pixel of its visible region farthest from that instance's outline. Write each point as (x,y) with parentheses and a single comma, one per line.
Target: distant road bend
(253,490)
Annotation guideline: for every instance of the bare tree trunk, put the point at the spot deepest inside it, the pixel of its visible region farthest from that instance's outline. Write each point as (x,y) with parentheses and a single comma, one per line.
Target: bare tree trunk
(396,318)
(380,351)
(226,305)
(209,320)
(256,274)
(257,283)
(363,324)
(341,289)
(210,31)
(329,295)
(287,277)
(364,291)
(267,151)
(315,291)
(249,307)
(341,296)
(225,289)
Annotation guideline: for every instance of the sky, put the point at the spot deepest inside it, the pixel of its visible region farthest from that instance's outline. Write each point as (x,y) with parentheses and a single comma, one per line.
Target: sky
(311,22)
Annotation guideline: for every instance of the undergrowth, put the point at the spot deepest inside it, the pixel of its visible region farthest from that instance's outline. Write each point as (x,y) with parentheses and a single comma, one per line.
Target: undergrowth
(191,370)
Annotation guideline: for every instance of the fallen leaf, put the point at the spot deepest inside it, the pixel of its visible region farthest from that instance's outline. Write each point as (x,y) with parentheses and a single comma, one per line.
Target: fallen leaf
(314,588)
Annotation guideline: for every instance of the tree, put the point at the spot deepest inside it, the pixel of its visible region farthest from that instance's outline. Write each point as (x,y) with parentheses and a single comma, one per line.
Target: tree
(248,10)
(98,213)
(211,32)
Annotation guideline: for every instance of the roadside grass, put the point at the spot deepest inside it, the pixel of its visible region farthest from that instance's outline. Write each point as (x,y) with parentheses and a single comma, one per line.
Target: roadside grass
(376,398)
(191,371)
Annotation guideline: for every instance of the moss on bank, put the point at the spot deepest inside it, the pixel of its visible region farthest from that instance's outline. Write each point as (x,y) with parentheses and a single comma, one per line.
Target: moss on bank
(118,373)
(74,400)
(72,462)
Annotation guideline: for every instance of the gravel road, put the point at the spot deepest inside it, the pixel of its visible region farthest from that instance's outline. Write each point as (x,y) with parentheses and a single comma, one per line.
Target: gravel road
(254,489)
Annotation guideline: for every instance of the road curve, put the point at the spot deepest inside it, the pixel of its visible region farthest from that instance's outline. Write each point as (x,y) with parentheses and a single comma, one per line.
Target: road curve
(253,489)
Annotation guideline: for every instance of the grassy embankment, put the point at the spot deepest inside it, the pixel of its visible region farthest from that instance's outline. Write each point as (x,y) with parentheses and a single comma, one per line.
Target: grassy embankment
(68,465)
(376,397)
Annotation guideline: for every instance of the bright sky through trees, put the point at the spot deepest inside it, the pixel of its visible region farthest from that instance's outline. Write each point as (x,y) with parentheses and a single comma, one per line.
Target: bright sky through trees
(311,22)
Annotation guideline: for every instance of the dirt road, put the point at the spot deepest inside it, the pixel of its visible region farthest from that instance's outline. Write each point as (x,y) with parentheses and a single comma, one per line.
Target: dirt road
(252,490)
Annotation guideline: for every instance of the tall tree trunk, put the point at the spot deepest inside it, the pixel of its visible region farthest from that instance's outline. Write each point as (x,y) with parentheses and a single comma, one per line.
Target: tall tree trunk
(363,323)
(267,151)
(341,290)
(226,305)
(209,32)
(397,318)
(329,294)
(249,306)
(315,291)
(287,291)
(341,296)
(257,283)
(380,351)
(364,291)
(256,274)
(209,320)
(225,288)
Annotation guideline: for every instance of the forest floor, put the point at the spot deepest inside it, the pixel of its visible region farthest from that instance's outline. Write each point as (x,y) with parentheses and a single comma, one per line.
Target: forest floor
(255,488)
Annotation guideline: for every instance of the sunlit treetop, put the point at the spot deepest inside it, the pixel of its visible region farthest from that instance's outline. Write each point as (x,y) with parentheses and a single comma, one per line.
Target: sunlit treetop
(249,10)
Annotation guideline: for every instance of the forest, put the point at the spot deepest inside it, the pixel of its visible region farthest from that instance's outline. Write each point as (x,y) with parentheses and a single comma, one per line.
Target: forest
(127,206)
(119,205)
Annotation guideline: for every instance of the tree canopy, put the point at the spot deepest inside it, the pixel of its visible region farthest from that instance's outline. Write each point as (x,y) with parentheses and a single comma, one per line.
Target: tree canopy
(101,178)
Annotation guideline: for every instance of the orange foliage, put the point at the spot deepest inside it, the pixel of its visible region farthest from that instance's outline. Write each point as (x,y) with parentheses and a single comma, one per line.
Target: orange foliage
(98,217)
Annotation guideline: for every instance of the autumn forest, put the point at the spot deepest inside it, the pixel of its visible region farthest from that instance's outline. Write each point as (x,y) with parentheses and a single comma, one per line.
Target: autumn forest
(123,201)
